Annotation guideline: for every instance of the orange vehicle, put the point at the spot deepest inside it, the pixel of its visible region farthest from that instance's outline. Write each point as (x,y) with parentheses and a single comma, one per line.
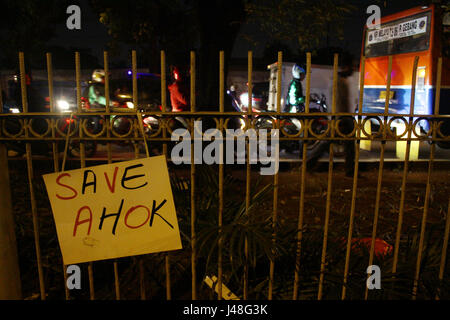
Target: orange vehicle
(422,32)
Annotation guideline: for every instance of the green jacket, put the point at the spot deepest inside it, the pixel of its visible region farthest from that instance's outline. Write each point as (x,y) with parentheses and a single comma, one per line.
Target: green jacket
(96,95)
(295,95)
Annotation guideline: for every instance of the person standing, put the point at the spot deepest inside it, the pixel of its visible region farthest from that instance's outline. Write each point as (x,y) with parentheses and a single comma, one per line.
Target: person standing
(345,122)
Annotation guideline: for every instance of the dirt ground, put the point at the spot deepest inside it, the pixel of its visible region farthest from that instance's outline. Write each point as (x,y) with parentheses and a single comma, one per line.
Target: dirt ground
(289,178)
(315,195)
(316,184)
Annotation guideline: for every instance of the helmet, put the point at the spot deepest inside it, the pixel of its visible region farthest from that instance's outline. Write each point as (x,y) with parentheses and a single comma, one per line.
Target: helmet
(98,75)
(297,71)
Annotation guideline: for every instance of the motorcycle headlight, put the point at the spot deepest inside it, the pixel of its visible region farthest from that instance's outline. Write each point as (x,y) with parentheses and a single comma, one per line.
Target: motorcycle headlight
(62,105)
(130,104)
(14,110)
(244,99)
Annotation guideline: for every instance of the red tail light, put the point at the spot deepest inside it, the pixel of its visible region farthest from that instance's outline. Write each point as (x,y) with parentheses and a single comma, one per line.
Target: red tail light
(323,121)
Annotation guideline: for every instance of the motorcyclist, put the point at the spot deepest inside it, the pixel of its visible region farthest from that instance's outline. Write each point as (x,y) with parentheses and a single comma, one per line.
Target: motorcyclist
(295,99)
(235,101)
(96,90)
(178,92)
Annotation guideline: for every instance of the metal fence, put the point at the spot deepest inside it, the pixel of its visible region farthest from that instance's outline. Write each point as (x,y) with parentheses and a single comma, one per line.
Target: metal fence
(57,138)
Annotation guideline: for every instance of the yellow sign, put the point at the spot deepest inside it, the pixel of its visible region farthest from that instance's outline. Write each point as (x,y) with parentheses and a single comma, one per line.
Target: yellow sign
(114,210)
(382,95)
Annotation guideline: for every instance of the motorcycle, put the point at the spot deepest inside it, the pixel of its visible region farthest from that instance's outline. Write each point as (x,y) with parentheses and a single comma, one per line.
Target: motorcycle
(152,127)
(39,126)
(292,125)
(240,104)
(120,124)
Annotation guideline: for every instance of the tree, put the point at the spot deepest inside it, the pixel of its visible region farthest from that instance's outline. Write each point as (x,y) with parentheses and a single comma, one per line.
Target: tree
(146,26)
(26,26)
(177,27)
(308,24)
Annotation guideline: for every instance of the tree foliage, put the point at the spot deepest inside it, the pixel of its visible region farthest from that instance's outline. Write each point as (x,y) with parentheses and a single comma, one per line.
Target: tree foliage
(177,27)
(144,24)
(27,25)
(305,23)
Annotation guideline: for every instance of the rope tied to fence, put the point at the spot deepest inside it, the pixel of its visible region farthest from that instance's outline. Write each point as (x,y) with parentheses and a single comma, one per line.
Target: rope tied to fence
(66,145)
(141,127)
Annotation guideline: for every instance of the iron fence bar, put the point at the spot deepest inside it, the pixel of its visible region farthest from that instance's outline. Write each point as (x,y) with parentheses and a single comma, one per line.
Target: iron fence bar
(423,223)
(1,96)
(444,251)
(248,170)
(52,109)
(308,82)
(136,155)
(358,131)
(11,287)
(23,85)
(35,221)
(329,187)
(142,288)
(377,210)
(78,80)
(141,260)
(164,106)
(447,225)
(275,181)
(353,204)
(351,218)
(221,173)
(192,82)
(167,138)
(218,114)
(134,70)
(405,171)
(380,171)
(34,212)
(428,184)
(106,70)
(83,159)
(193,213)
(163,81)
(55,147)
(168,285)
(109,155)
(303,184)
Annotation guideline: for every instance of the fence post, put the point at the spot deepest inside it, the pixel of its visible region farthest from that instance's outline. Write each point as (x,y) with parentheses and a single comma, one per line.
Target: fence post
(10,287)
